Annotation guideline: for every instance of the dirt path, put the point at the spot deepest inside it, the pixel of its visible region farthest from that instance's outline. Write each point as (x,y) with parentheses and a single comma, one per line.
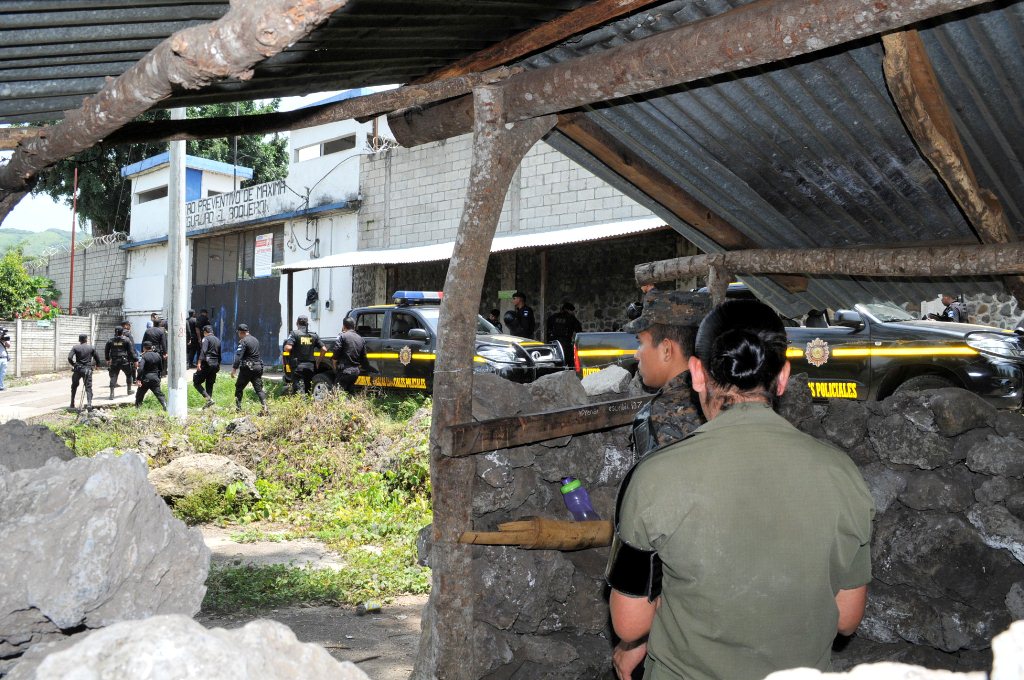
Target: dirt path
(383,645)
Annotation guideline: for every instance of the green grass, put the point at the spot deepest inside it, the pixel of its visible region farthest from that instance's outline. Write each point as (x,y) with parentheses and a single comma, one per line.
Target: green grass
(351,472)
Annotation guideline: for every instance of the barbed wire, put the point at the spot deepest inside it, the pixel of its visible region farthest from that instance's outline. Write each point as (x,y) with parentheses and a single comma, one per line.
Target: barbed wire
(43,257)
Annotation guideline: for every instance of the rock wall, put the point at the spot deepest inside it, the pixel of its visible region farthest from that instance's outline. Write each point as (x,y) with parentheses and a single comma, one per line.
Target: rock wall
(945,470)
(1001,310)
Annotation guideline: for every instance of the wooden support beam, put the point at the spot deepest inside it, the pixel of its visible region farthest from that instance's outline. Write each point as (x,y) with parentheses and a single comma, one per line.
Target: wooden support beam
(755,34)
(229,47)
(938,262)
(541,37)
(915,90)
(445,649)
(503,433)
(622,160)
(542,533)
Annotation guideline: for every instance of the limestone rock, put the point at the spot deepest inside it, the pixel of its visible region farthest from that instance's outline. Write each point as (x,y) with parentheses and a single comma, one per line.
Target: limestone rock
(241,427)
(996,455)
(846,423)
(998,528)
(956,410)
(556,390)
(178,648)
(899,440)
(611,381)
(24,446)
(1008,653)
(949,489)
(190,473)
(95,545)
(495,397)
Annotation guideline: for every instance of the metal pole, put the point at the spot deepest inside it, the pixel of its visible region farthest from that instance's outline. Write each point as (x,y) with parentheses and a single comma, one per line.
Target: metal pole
(74,211)
(177,273)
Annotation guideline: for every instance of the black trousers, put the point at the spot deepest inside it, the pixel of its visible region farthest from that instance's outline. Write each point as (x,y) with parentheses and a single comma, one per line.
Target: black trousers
(192,350)
(247,376)
(347,377)
(82,374)
(150,383)
(118,367)
(302,378)
(207,375)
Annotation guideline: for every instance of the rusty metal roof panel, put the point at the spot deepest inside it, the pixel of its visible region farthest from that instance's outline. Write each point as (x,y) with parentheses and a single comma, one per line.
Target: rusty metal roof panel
(812,152)
(55,52)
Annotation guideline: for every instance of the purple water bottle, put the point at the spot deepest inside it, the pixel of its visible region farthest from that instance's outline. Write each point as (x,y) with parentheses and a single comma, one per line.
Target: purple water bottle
(577,500)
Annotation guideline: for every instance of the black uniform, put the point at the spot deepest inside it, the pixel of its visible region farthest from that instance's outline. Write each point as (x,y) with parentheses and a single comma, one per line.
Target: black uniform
(350,353)
(133,369)
(250,370)
(209,364)
(150,365)
(120,355)
(192,340)
(81,358)
(158,336)
(303,344)
(561,327)
(521,322)
(956,312)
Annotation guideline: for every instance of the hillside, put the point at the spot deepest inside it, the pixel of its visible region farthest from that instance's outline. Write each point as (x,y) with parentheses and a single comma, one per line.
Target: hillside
(33,242)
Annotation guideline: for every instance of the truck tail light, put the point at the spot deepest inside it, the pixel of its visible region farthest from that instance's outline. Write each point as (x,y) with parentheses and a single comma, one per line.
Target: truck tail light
(576,358)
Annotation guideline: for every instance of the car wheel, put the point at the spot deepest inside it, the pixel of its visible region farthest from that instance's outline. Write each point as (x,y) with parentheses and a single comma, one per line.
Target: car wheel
(323,383)
(925,382)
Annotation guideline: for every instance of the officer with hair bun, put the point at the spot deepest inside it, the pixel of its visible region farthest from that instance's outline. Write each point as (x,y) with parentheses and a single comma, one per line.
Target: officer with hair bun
(744,548)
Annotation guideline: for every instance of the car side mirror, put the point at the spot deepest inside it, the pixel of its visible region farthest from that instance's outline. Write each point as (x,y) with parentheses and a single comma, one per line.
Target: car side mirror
(848,318)
(418,334)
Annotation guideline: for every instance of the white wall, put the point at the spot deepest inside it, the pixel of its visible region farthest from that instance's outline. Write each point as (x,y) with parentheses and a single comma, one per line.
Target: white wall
(331,178)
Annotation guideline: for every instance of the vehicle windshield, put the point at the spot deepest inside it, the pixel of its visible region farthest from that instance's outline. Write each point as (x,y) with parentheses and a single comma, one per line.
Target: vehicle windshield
(430,315)
(887,311)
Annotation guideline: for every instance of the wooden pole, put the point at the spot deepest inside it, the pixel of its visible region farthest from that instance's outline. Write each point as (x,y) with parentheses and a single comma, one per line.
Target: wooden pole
(933,262)
(446,648)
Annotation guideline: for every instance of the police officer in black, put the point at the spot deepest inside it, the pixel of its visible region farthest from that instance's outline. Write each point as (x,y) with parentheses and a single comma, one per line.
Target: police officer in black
(520,320)
(126,333)
(299,348)
(955,310)
(192,338)
(157,336)
(350,350)
(81,357)
(150,365)
(120,356)
(208,365)
(562,326)
(249,367)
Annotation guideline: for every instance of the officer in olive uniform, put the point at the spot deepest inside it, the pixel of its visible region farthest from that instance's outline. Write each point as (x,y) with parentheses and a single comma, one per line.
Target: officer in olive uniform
(562,327)
(955,310)
(350,350)
(81,358)
(150,366)
(666,331)
(208,365)
(249,367)
(120,356)
(300,345)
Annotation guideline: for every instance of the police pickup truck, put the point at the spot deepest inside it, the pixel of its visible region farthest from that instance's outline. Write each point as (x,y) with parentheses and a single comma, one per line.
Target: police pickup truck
(401,344)
(869,353)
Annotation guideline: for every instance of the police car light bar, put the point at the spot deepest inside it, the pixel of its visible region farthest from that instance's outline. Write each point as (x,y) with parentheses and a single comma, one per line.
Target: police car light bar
(409,297)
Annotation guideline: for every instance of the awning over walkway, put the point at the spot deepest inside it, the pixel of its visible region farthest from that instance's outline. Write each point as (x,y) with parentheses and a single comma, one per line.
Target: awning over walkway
(443,251)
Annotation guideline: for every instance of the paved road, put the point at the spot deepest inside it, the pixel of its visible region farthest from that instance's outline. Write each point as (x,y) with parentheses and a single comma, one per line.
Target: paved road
(29,401)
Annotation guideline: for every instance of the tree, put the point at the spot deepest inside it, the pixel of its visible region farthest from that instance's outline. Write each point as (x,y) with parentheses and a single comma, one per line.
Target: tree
(104,197)
(16,286)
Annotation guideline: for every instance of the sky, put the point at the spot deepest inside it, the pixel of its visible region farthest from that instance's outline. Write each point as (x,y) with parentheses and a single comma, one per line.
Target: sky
(39,213)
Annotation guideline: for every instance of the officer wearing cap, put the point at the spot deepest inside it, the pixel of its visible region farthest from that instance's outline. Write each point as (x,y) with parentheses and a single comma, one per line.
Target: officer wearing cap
(150,366)
(209,364)
(562,327)
(299,348)
(120,355)
(81,358)
(248,366)
(520,320)
(666,331)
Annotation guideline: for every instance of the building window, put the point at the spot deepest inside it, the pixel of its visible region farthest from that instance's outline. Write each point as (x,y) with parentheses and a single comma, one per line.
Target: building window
(307,153)
(151,195)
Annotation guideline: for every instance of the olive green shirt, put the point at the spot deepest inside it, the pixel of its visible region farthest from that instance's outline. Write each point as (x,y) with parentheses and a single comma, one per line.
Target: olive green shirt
(758,526)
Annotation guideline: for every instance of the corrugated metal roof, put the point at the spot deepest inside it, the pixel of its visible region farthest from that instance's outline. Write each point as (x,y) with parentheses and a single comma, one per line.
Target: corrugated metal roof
(55,52)
(812,153)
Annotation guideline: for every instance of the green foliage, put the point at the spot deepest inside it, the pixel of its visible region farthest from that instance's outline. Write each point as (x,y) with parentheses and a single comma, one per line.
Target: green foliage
(104,196)
(206,505)
(15,284)
(32,243)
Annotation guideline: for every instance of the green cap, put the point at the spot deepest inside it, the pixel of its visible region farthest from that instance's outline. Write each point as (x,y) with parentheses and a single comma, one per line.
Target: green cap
(671,308)
(571,486)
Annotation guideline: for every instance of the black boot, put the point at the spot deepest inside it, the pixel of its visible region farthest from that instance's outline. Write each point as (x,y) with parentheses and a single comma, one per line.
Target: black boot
(130,390)
(238,405)
(111,392)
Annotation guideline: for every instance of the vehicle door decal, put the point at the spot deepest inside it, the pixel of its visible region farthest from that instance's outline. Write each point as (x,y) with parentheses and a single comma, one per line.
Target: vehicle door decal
(832,390)
(817,352)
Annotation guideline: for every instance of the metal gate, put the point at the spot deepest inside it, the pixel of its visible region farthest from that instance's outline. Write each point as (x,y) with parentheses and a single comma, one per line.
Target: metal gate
(255,302)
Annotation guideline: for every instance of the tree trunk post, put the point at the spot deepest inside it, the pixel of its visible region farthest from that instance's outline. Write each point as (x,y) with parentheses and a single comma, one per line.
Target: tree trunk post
(718,282)
(446,645)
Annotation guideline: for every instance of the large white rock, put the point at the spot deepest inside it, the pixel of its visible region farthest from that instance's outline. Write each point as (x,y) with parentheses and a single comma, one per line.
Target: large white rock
(86,543)
(1008,653)
(876,671)
(178,648)
(190,473)
(610,380)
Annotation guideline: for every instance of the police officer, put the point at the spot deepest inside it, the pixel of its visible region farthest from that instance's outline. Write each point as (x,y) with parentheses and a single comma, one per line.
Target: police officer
(300,345)
(562,326)
(126,333)
(157,336)
(666,331)
(249,367)
(351,351)
(955,310)
(81,358)
(192,338)
(150,365)
(520,320)
(208,365)
(120,356)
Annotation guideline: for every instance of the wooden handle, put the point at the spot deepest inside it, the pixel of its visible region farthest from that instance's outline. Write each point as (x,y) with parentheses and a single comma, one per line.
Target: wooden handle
(541,533)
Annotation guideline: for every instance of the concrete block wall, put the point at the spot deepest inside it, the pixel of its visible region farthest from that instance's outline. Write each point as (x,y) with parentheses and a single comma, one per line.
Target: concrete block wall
(44,348)
(100,272)
(414,197)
